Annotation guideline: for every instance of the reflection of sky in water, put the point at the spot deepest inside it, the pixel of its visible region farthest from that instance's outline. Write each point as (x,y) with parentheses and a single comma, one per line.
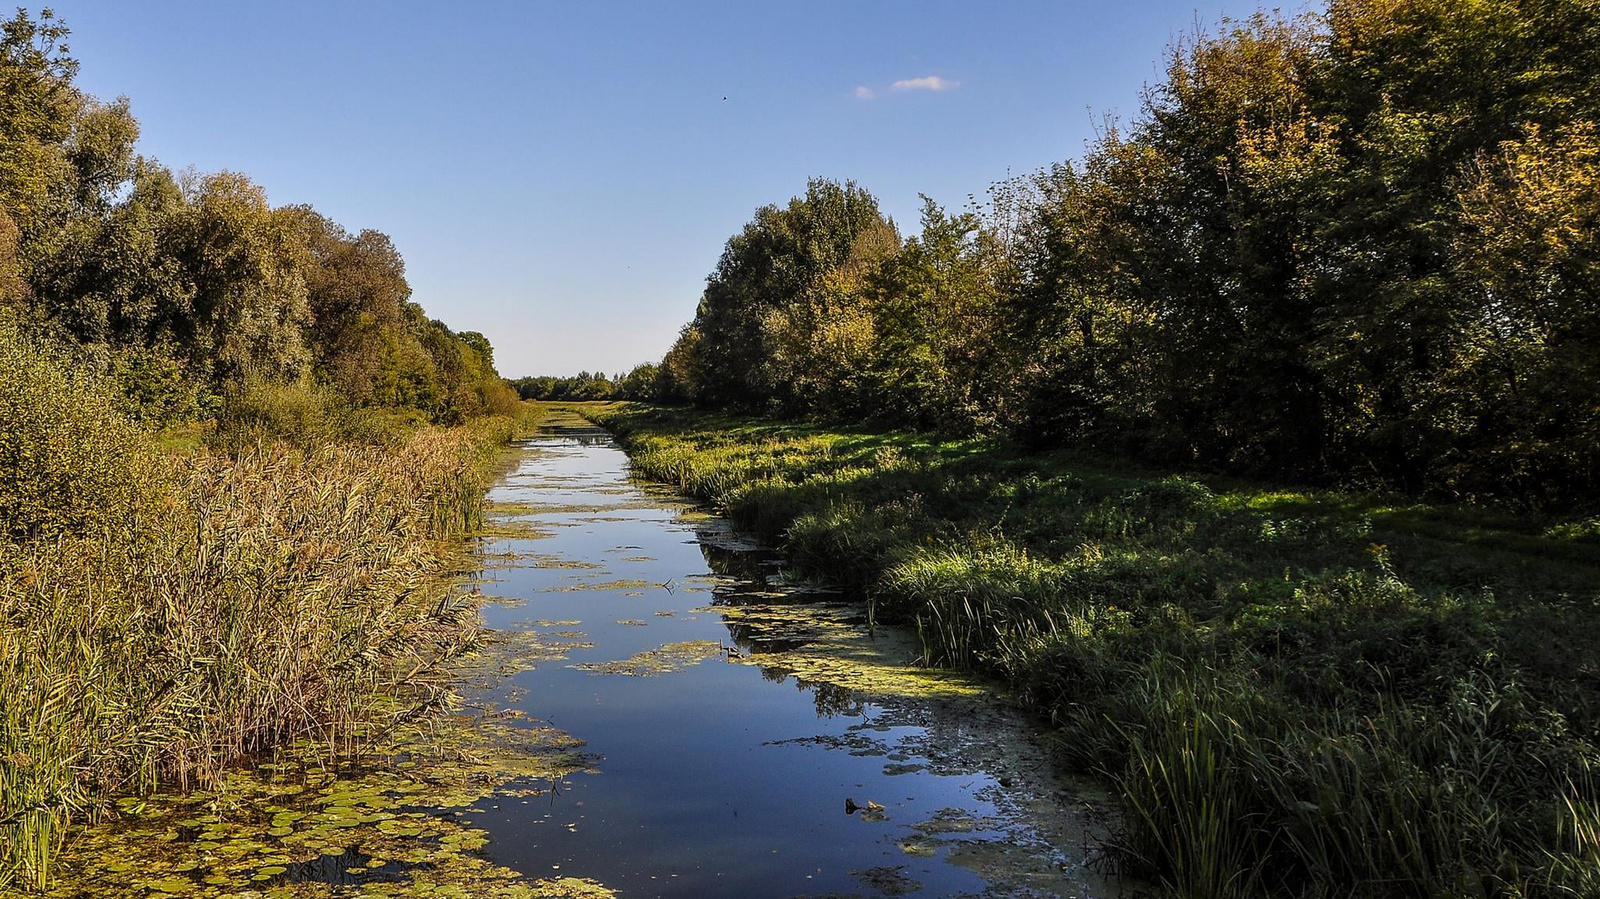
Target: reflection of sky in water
(717,780)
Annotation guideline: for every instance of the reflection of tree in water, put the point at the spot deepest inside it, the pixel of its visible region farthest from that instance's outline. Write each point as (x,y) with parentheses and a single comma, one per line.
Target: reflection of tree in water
(833,700)
(748,569)
(745,564)
(753,641)
(343,869)
(583,436)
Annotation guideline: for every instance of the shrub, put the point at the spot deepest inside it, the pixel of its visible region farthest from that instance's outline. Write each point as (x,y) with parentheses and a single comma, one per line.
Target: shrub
(256,413)
(70,461)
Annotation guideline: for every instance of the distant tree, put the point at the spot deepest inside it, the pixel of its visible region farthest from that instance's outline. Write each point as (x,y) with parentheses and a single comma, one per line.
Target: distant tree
(639,383)
(678,378)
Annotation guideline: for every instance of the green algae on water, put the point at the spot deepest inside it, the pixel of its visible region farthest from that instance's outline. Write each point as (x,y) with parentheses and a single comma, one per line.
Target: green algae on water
(825,642)
(669,658)
(622,584)
(390,818)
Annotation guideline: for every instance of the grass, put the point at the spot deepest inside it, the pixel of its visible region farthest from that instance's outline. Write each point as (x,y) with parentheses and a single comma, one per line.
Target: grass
(168,607)
(1297,692)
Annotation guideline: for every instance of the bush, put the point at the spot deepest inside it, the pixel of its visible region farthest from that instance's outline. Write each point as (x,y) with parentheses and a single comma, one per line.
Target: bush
(70,461)
(257,413)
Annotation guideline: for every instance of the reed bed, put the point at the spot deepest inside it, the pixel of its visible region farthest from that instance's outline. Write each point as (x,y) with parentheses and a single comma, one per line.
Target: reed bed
(233,603)
(1295,693)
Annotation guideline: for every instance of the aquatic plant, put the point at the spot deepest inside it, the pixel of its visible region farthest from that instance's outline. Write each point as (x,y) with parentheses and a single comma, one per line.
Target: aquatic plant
(165,615)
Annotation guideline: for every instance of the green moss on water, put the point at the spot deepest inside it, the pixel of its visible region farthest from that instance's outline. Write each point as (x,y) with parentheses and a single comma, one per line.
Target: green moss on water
(826,643)
(665,660)
(887,880)
(515,529)
(620,584)
(391,817)
(507,652)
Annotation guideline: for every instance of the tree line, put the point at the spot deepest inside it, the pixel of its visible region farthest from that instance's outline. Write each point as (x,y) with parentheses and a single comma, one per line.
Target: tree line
(1356,245)
(639,383)
(182,287)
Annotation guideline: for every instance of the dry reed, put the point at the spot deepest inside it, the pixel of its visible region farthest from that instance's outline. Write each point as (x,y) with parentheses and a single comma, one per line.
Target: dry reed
(281,595)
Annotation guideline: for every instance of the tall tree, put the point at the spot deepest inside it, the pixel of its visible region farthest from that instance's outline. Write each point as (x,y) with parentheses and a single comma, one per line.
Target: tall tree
(768,268)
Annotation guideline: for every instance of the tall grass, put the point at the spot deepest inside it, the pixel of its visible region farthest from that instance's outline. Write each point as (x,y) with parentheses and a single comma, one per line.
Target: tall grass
(232,603)
(1295,694)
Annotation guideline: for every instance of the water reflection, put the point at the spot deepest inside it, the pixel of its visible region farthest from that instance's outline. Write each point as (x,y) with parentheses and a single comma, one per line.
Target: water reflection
(714,780)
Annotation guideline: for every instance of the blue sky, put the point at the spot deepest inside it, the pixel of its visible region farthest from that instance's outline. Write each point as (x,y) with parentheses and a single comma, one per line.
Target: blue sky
(562,176)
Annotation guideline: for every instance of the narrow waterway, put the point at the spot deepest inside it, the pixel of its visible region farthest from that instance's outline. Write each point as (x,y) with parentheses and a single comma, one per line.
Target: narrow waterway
(746,737)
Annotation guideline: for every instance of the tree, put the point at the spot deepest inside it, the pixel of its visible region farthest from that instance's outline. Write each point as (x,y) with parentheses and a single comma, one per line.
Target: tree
(768,269)
(250,308)
(37,107)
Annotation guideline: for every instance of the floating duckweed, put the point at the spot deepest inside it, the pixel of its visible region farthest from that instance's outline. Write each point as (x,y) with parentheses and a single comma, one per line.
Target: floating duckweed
(670,657)
(888,881)
(508,652)
(515,529)
(381,812)
(953,820)
(827,643)
(620,584)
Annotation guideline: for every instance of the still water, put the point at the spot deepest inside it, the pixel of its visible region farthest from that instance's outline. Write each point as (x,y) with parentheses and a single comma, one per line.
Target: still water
(747,737)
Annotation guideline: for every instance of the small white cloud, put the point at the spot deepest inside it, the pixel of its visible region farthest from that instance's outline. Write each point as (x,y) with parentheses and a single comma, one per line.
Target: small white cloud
(865,93)
(929,83)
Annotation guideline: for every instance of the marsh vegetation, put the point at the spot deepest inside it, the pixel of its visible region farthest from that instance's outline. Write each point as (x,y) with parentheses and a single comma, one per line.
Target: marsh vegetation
(1257,447)
(1292,690)
(1256,452)
(236,462)
(167,611)
(1353,246)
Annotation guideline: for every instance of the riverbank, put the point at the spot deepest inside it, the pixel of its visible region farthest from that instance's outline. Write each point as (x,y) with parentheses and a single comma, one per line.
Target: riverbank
(170,606)
(751,736)
(1292,690)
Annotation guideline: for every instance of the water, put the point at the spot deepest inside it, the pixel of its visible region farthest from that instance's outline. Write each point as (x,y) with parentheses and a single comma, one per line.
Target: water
(717,771)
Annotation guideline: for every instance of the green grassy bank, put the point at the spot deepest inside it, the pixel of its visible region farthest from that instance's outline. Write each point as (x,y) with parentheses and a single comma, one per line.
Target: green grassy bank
(169,605)
(1296,693)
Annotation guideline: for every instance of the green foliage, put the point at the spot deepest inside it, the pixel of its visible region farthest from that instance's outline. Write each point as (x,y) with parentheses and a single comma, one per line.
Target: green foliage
(639,383)
(256,414)
(678,375)
(642,382)
(36,111)
(581,387)
(1306,693)
(785,289)
(70,461)
(1354,246)
(196,283)
(159,620)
